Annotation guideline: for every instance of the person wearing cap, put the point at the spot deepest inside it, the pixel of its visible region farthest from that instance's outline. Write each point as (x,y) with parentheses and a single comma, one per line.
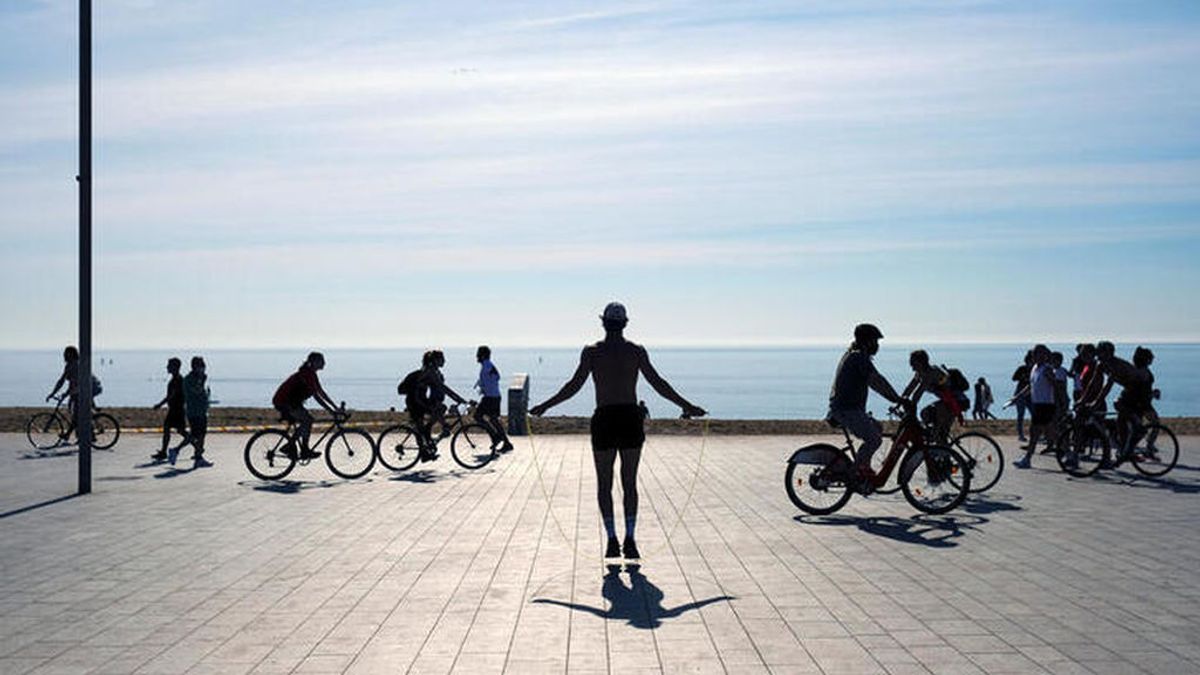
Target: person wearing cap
(856,374)
(617,425)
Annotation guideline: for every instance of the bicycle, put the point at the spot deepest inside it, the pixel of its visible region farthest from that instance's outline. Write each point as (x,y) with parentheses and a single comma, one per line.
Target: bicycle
(271,454)
(49,430)
(402,445)
(1085,446)
(942,486)
(979,448)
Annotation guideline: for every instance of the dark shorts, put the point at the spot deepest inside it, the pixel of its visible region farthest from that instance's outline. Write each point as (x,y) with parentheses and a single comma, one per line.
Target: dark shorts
(175,420)
(198,426)
(1043,413)
(489,406)
(617,427)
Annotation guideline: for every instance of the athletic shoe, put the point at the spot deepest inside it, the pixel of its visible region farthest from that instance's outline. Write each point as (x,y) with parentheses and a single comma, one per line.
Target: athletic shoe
(865,480)
(506,447)
(159,456)
(201,463)
(1022,463)
(630,549)
(614,548)
(172,455)
(309,454)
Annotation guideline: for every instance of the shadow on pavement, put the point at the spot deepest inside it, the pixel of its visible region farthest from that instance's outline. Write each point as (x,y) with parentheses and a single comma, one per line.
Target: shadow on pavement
(991,503)
(639,604)
(31,507)
(1137,480)
(931,531)
(291,487)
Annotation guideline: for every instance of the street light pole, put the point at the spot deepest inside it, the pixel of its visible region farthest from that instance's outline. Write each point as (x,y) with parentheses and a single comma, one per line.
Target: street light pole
(83,425)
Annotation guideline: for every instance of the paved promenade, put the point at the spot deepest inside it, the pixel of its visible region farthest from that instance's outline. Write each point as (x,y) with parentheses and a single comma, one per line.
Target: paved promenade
(443,570)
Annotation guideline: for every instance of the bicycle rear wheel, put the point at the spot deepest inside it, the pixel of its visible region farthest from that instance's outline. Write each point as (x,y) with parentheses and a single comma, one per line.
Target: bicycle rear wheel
(935,479)
(105,431)
(399,448)
(1081,451)
(819,485)
(472,446)
(983,455)
(350,453)
(1157,452)
(266,457)
(45,430)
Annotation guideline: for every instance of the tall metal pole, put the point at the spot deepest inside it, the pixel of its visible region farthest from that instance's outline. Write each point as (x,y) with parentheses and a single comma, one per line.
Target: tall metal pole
(84,411)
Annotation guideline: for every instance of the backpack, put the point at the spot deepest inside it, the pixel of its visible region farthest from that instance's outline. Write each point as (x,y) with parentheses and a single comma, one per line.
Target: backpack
(97,388)
(956,380)
(409,385)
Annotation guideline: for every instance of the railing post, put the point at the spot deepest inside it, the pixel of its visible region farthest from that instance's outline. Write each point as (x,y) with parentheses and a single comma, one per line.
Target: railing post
(518,405)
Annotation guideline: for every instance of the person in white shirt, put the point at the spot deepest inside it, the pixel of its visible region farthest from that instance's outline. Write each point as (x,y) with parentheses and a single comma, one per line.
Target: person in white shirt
(1041,394)
(488,412)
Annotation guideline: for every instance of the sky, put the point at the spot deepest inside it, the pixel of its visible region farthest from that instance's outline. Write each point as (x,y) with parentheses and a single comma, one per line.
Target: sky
(375,174)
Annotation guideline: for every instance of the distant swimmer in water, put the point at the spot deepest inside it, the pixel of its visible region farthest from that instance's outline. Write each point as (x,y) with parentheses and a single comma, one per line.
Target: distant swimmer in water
(618,422)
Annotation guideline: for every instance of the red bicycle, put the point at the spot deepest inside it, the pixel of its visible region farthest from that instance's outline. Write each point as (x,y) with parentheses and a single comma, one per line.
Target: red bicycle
(935,479)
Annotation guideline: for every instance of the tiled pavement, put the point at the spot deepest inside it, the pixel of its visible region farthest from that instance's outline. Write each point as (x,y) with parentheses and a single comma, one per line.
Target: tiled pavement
(445,570)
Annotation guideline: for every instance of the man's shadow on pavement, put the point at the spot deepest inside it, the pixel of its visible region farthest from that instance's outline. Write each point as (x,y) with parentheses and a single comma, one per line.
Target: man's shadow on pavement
(639,604)
(291,487)
(931,531)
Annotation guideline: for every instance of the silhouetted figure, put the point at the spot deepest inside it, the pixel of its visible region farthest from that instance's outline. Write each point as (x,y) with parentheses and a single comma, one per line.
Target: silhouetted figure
(1062,401)
(175,419)
(69,377)
(488,411)
(196,398)
(848,396)
(290,397)
(424,390)
(929,378)
(983,400)
(1041,395)
(639,604)
(1020,378)
(1137,386)
(617,424)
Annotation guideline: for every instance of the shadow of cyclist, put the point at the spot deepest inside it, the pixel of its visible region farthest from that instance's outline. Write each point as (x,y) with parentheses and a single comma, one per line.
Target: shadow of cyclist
(639,604)
(931,531)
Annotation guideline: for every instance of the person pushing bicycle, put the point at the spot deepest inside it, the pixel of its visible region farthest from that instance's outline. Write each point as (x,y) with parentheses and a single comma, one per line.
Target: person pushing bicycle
(290,397)
(848,397)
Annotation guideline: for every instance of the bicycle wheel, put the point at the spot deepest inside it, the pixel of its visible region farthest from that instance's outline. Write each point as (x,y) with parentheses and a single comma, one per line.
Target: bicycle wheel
(892,485)
(820,483)
(1157,452)
(1081,451)
(45,430)
(105,431)
(398,448)
(472,446)
(935,479)
(983,455)
(265,456)
(350,453)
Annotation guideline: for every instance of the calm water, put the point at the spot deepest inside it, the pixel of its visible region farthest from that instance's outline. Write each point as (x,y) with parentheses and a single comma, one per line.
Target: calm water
(732,383)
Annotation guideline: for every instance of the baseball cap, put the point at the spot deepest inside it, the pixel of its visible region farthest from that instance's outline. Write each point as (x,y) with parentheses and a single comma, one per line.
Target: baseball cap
(614,311)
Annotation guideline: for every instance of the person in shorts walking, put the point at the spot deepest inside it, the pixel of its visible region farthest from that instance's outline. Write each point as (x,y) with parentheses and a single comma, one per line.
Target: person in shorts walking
(487,412)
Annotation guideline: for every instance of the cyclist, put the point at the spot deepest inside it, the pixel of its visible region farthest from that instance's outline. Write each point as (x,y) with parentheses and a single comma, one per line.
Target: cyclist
(1137,392)
(618,425)
(290,397)
(424,390)
(488,412)
(69,377)
(848,398)
(929,378)
(175,418)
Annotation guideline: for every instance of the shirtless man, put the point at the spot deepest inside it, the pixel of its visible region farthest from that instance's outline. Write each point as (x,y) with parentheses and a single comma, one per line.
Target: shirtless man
(617,424)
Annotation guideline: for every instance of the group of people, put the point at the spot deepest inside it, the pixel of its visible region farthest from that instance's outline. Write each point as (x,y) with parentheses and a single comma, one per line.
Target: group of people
(187,400)
(1042,388)
(424,391)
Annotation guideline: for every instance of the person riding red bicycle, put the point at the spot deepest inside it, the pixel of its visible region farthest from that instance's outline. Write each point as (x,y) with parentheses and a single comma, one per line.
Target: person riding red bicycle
(950,403)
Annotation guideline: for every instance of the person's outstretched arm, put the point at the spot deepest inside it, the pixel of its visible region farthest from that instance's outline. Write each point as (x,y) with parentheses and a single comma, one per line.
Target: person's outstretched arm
(445,389)
(569,389)
(664,389)
(321,396)
(884,388)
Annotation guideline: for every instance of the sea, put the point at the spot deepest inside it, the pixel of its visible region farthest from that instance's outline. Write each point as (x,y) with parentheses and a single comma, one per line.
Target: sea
(730,382)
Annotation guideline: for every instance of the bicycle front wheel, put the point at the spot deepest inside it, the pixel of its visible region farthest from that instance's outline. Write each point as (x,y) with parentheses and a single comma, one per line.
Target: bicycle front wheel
(935,479)
(984,457)
(1157,452)
(399,448)
(270,455)
(1081,451)
(45,430)
(350,453)
(472,446)
(105,431)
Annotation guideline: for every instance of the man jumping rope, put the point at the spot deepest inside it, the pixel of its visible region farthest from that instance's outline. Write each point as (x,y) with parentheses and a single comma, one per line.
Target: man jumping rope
(617,424)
